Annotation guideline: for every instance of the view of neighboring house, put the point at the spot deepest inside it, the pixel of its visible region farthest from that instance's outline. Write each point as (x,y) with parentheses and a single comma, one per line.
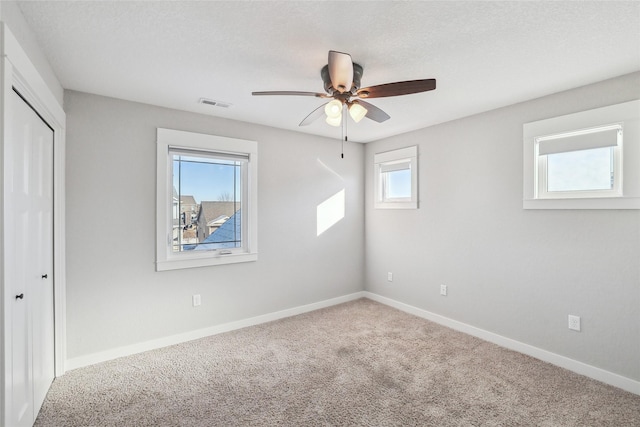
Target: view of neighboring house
(185,212)
(188,210)
(213,215)
(226,236)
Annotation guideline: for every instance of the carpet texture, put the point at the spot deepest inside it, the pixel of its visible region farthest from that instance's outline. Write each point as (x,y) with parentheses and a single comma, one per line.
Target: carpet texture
(356,364)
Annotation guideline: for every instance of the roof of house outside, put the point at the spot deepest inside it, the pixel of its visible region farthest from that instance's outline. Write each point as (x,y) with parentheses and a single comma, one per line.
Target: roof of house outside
(218,221)
(187,200)
(227,236)
(210,211)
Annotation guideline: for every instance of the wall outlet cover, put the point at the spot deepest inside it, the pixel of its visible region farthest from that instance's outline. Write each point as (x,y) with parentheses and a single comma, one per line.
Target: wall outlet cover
(574,323)
(196,300)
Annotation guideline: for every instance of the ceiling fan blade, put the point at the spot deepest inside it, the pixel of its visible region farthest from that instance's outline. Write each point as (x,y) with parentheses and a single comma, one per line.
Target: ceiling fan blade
(374,113)
(313,116)
(397,88)
(291,92)
(340,71)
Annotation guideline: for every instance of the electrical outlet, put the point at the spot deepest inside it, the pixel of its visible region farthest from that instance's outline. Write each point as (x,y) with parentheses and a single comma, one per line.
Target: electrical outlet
(196,300)
(390,276)
(574,323)
(443,290)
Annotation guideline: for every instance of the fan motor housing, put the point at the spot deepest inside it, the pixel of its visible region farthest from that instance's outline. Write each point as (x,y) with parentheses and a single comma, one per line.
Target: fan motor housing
(357,78)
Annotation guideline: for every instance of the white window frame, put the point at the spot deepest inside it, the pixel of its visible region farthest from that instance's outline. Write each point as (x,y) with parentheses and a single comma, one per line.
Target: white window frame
(542,162)
(389,161)
(571,133)
(169,139)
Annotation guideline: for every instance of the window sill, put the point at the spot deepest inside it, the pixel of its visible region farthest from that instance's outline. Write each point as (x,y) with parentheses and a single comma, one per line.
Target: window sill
(396,205)
(176,264)
(591,203)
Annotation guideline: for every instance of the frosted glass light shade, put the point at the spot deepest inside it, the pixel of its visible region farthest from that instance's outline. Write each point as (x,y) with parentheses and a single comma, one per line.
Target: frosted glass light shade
(333,108)
(334,121)
(357,112)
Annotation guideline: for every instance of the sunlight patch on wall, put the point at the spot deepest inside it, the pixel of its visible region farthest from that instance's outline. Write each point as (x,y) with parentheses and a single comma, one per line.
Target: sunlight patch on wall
(330,212)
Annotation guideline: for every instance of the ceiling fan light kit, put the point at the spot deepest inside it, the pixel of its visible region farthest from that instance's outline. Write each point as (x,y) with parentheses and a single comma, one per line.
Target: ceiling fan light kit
(341,78)
(357,111)
(333,108)
(333,121)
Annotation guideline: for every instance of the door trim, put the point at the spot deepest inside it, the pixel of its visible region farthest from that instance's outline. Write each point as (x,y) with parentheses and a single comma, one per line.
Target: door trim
(17,71)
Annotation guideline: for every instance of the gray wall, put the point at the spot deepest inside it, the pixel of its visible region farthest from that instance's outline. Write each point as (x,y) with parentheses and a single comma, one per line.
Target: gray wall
(114,295)
(514,272)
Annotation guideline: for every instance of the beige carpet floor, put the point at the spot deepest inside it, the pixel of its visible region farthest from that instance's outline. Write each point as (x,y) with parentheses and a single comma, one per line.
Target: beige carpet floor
(355,364)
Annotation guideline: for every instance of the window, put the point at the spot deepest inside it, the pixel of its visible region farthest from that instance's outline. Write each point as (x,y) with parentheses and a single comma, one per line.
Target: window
(396,174)
(206,200)
(584,170)
(214,181)
(587,160)
(580,164)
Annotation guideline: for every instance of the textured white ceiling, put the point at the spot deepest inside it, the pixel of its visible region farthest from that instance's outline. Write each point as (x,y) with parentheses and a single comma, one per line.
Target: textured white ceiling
(484,55)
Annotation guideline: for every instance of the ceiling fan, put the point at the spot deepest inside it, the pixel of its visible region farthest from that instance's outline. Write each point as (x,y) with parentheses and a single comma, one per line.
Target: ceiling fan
(341,77)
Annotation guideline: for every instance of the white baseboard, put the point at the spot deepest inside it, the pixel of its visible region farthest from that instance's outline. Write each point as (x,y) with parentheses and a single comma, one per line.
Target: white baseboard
(103,356)
(581,368)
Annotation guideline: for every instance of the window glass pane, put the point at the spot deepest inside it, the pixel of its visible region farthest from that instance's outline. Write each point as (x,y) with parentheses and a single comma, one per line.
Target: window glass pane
(580,170)
(206,202)
(398,184)
(395,181)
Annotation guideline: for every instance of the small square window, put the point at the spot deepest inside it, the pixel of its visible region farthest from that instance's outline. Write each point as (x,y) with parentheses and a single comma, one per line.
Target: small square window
(398,184)
(396,174)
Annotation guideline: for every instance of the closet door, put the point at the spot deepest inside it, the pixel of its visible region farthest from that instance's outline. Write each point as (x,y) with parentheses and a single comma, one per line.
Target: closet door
(29,254)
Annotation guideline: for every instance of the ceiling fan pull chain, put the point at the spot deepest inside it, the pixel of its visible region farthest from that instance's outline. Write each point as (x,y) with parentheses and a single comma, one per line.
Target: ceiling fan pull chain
(345,140)
(344,133)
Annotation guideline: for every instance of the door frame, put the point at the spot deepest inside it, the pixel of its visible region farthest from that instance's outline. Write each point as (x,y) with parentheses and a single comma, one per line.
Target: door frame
(17,71)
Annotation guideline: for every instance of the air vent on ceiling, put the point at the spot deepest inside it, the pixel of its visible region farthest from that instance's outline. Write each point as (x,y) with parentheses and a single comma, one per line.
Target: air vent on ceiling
(215,103)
